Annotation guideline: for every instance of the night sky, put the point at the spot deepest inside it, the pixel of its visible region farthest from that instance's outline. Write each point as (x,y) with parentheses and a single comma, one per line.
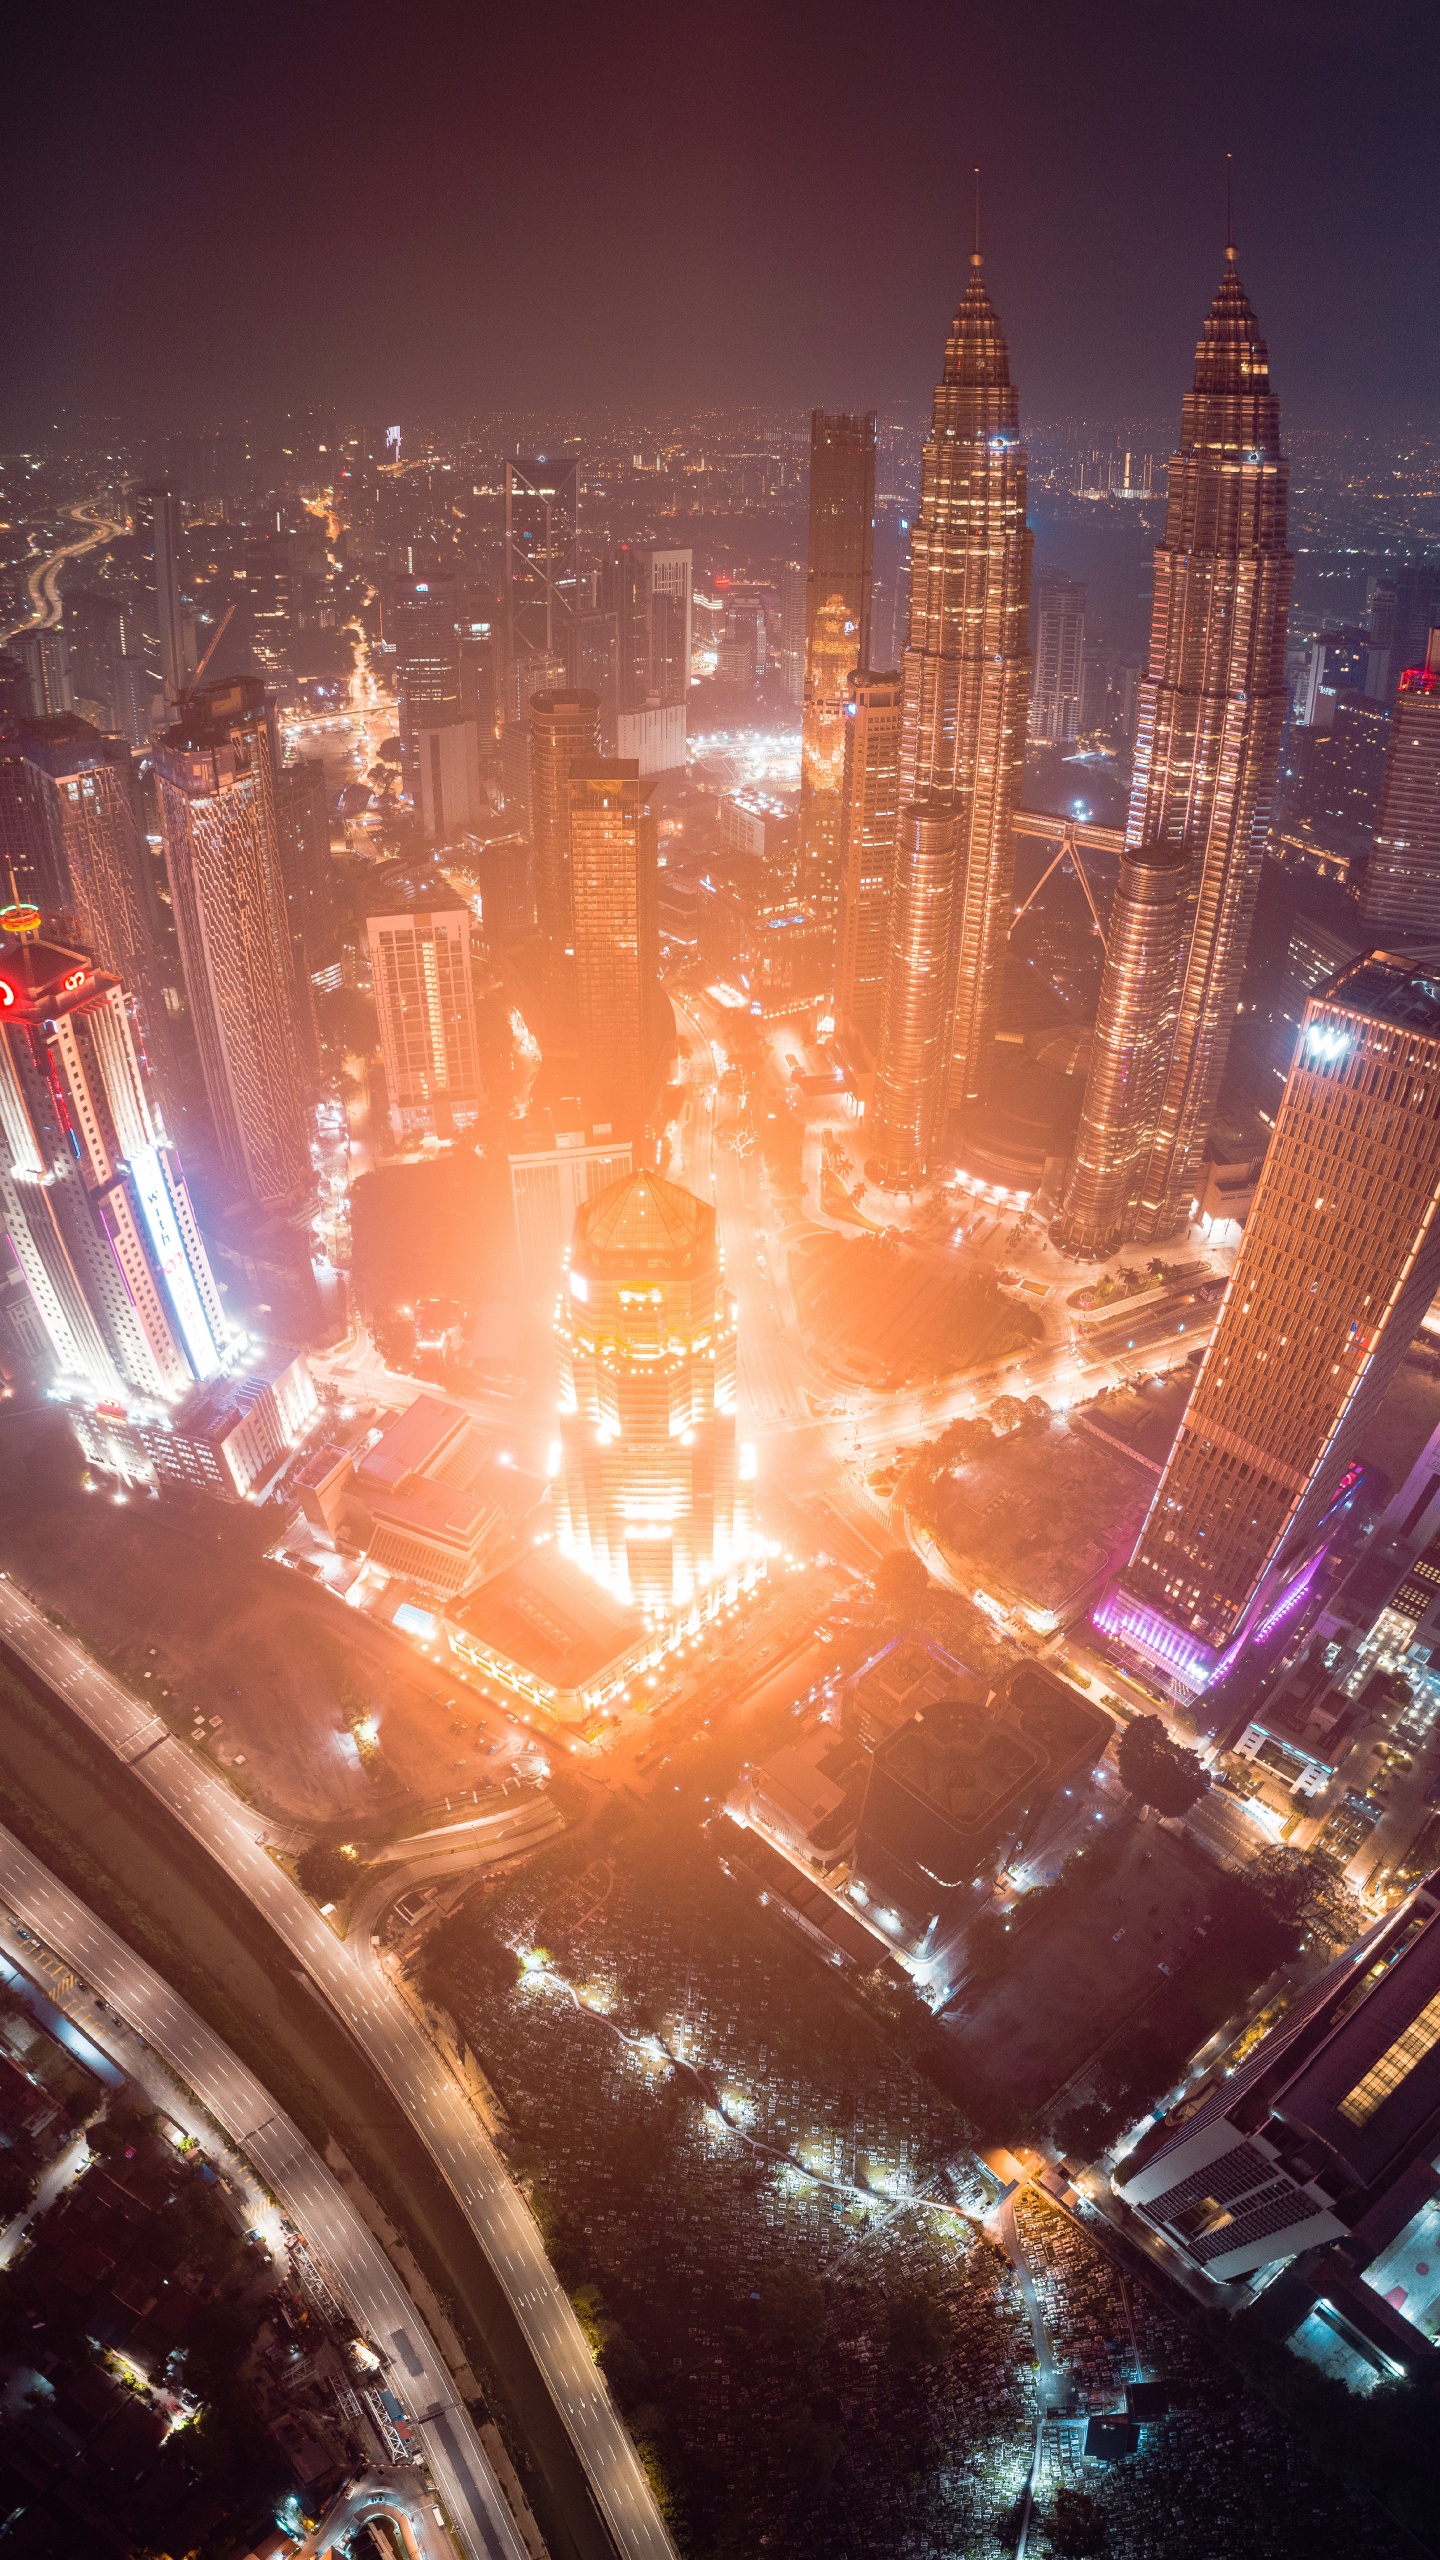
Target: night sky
(215,213)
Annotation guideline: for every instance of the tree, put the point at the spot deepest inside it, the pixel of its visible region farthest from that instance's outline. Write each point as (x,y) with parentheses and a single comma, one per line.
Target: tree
(327,1872)
(900,1581)
(1075,2526)
(1157,1770)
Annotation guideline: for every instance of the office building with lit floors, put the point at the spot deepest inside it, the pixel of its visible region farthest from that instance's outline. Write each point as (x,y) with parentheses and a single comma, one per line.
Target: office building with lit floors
(564,729)
(1401,894)
(966,671)
(422,972)
(1212,710)
(1059,662)
(1320,2148)
(869,815)
(72,830)
(832,663)
(96,1210)
(650,1496)
(216,776)
(622,1014)
(1134,1029)
(1339,1260)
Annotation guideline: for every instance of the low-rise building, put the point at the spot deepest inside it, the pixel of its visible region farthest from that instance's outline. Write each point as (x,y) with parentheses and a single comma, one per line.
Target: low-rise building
(435,1501)
(231,1435)
(554,1638)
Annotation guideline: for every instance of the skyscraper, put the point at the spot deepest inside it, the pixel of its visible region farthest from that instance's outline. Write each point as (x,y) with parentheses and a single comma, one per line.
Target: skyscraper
(837,628)
(422,971)
(539,574)
(45,657)
(832,660)
(165,635)
(967,687)
(1059,662)
(564,728)
(618,998)
(1338,1262)
(1212,710)
(424,623)
(1401,894)
(649,1496)
(869,814)
(78,847)
(215,771)
(95,1204)
(1138,995)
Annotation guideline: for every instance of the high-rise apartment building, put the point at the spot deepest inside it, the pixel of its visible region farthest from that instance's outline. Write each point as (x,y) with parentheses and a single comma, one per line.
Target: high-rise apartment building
(71,830)
(649,1496)
(1211,714)
(309,873)
(967,689)
(1401,894)
(539,573)
(552,1171)
(448,795)
(792,630)
(423,976)
(619,1004)
(45,657)
(1059,680)
(564,730)
(1138,995)
(95,1204)
(837,632)
(1338,1262)
(869,816)
(216,775)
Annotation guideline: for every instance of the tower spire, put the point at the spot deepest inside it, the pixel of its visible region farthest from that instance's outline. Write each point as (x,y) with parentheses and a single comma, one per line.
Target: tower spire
(975,257)
(1230,208)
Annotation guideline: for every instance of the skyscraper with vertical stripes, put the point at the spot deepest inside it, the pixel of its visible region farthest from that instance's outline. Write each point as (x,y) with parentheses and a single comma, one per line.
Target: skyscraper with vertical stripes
(1212,711)
(967,686)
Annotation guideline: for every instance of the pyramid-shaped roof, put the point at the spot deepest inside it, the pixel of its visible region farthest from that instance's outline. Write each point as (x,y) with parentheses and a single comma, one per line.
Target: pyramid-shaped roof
(643,1214)
(975,352)
(1231,354)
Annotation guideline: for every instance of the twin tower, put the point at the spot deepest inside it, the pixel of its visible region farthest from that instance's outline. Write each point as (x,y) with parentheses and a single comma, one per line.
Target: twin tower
(1211,715)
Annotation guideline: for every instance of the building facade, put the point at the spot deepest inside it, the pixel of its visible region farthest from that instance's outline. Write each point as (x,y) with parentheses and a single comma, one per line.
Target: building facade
(78,849)
(216,777)
(1059,679)
(95,1204)
(539,577)
(1138,997)
(838,572)
(869,818)
(649,1496)
(552,1171)
(619,1005)
(831,665)
(967,689)
(1339,1260)
(1211,716)
(1401,894)
(564,729)
(424,624)
(422,970)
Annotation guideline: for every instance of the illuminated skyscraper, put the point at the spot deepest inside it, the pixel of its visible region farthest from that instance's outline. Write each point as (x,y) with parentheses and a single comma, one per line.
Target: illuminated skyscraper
(422,972)
(539,577)
(165,636)
(1212,709)
(424,623)
(1402,884)
(1138,996)
(95,1204)
(1059,661)
(216,774)
(837,629)
(648,1497)
(1338,1262)
(832,661)
(71,830)
(967,688)
(620,1008)
(869,814)
(564,730)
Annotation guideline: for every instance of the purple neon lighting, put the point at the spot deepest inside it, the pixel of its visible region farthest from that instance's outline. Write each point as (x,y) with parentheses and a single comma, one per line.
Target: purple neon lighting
(1289,1600)
(1153,1633)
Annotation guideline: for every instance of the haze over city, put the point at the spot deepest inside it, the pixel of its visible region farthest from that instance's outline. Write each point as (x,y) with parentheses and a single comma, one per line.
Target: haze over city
(720,1308)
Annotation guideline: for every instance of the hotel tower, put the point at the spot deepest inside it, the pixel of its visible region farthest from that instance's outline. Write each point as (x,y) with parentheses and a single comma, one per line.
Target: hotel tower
(967,687)
(1212,709)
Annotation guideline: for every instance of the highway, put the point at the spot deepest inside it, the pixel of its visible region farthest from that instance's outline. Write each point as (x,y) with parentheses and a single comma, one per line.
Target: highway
(44,579)
(397,2047)
(294,2174)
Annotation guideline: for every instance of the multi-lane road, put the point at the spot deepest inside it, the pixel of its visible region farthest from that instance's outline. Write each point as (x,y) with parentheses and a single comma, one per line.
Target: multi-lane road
(299,2181)
(43,582)
(397,2047)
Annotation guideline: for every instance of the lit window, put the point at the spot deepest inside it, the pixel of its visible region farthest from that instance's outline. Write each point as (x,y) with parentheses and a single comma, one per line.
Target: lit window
(1394,2065)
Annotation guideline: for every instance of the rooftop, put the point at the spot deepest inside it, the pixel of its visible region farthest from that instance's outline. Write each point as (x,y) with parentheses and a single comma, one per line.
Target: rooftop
(643,1215)
(1399,987)
(546,1615)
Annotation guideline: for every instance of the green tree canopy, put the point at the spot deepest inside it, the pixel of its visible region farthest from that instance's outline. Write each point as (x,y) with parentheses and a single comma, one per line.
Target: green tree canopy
(1157,1770)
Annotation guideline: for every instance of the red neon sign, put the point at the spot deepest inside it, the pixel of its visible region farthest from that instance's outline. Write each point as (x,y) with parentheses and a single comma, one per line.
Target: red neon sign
(75,979)
(7,992)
